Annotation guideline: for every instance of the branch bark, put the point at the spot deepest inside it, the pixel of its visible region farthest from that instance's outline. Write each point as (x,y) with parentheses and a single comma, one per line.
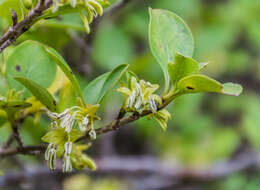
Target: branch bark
(13,33)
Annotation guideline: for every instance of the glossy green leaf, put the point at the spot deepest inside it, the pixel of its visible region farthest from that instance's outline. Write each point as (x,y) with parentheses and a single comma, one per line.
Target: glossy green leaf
(182,67)
(98,88)
(66,69)
(30,60)
(201,83)
(168,34)
(39,92)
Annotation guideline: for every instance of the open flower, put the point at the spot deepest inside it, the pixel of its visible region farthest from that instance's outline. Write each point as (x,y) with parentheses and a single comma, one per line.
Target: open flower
(84,117)
(140,96)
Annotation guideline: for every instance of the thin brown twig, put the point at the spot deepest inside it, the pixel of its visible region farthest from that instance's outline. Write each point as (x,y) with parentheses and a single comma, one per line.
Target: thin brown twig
(25,150)
(112,126)
(19,28)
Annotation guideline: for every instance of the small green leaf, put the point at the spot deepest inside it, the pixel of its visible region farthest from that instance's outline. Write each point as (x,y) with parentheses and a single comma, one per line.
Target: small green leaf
(99,87)
(232,89)
(112,79)
(93,89)
(201,83)
(168,34)
(39,92)
(182,67)
(66,69)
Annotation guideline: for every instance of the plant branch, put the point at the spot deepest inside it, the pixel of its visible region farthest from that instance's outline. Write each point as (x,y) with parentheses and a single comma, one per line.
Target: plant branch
(25,150)
(19,28)
(112,126)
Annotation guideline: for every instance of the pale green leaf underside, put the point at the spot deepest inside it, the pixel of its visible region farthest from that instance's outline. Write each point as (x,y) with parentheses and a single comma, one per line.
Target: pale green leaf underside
(39,92)
(168,34)
(232,89)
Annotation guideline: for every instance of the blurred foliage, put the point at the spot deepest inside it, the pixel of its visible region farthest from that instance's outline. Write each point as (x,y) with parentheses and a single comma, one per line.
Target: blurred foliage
(204,129)
(82,182)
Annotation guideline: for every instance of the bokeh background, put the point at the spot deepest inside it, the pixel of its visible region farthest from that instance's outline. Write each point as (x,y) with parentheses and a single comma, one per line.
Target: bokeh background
(212,141)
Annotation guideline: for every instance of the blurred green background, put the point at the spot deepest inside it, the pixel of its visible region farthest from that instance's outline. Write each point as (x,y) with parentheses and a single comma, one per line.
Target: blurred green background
(205,129)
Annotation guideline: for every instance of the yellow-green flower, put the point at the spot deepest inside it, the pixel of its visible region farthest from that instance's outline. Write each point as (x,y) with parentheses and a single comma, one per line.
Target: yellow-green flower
(140,96)
(162,118)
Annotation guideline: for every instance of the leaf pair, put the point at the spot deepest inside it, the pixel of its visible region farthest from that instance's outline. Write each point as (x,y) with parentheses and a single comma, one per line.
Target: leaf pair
(171,42)
(185,77)
(94,92)
(34,65)
(168,34)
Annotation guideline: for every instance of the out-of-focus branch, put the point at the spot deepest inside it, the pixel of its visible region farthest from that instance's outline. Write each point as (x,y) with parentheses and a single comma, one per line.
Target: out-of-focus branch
(19,28)
(112,126)
(25,150)
(138,167)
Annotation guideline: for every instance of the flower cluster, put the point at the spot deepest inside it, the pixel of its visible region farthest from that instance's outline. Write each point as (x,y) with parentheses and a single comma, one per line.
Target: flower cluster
(93,8)
(67,127)
(140,96)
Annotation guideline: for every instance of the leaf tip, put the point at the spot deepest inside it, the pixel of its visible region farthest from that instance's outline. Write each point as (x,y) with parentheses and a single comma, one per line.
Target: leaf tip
(232,89)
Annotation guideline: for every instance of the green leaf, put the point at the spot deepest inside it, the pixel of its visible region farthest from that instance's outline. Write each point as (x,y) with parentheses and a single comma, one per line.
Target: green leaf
(30,60)
(232,89)
(66,69)
(39,92)
(96,90)
(168,34)
(182,67)
(67,97)
(201,83)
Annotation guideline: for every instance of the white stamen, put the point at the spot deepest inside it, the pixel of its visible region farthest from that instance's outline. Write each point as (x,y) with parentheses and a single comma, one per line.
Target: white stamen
(50,156)
(66,167)
(131,99)
(68,147)
(152,104)
(93,134)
